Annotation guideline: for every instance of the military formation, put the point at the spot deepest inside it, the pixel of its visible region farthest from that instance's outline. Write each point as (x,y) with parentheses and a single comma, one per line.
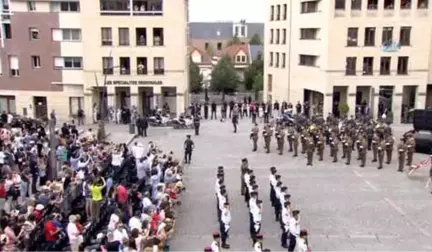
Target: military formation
(345,138)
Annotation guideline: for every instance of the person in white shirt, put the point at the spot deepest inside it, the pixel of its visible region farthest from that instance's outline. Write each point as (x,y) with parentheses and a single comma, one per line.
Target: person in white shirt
(246,178)
(120,234)
(294,230)
(256,218)
(135,222)
(277,200)
(286,216)
(75,238)
(280,204)
(225,225)
(114,220)
(215,245)
(258,243)
(222,198)
(302,242)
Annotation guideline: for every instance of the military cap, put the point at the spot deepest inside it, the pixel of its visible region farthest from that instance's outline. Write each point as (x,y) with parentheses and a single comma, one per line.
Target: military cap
(272,168)
(284,188)
(295,212)
(277,176)
(303,233)
(220,167)
(287,196)
(259,201)
(244,159)
(216,235)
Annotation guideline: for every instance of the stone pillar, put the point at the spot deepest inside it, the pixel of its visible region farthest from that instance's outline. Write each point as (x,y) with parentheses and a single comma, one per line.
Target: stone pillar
(157,99)
(88,107)
(111,98)
(421,92)
(397,103)
(351,99)
(328,104)
(133,96)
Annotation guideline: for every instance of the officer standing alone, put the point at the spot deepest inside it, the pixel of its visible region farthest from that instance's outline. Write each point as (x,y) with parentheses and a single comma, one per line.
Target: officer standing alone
(188,148)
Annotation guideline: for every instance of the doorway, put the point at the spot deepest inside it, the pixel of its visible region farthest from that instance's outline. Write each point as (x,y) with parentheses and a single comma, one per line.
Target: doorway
(335,105)
(40,107)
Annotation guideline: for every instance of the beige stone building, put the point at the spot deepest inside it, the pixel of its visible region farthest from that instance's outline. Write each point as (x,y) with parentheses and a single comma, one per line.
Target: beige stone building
(340,51)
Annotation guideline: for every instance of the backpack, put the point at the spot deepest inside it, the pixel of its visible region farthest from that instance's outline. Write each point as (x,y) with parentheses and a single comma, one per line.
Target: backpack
(3,192)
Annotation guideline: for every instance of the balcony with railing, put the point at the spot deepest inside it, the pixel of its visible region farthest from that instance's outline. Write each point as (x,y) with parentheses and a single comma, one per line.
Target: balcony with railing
(131,7)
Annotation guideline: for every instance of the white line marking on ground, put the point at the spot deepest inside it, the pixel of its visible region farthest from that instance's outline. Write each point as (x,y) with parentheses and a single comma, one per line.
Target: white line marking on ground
(358,174)
(374,188)
(410,221)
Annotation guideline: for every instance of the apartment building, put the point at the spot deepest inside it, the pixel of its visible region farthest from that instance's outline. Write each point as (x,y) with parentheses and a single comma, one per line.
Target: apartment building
(70,55)
(349,52)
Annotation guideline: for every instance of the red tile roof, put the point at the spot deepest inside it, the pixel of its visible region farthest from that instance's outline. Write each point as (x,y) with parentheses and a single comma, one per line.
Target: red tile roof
(232,50)
(205,57)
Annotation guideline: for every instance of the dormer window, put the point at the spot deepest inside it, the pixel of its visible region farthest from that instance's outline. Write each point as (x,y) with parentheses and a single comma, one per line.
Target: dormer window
(240,30)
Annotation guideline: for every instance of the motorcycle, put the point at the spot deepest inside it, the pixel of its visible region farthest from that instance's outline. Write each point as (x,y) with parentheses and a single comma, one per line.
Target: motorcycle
(158,121)
(182,123)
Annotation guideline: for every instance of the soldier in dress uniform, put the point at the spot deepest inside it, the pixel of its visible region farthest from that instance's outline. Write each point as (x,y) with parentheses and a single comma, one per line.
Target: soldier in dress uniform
(381,149)
(257,218)
(280,136)
(344,145)
(410,149)
(402,149)
(310,147)
(290,135)
(295,142)
(375,143)
(320,146)
(348,149)
(273,181)
(225,223)
(267,133)
(244,167)
(254,137)
(303,140)
(362,149)
(358,142)
(389,147)
(334,148)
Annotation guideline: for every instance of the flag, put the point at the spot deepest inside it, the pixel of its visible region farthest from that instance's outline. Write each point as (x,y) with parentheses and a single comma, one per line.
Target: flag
(417,166)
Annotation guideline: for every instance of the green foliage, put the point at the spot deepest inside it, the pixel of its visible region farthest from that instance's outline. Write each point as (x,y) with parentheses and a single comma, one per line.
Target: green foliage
(224,76)
(258,84)
(254,69)
(343,109)
(255,40)
(195,77)
(234,41)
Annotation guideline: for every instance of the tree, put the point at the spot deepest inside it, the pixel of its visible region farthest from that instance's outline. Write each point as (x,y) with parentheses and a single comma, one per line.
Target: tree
(257,67)
(234,41)
(258,84)
(224,77)
(255,40)
(195,77)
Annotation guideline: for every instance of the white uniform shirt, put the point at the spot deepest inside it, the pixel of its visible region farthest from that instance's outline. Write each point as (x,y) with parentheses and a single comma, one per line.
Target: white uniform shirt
(286,216)
(215,246)
(277,192)
(273,180)
(246,178)
(252,205)
(217,187)
(226,218)
(257,247)
(301,245)
(294,227)
(135,222)
(282,198)
(117,159)
(72,232)
(222,201)
(257,217)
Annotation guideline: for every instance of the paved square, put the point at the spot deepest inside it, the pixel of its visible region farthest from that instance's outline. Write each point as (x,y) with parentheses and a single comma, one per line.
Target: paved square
(345,208)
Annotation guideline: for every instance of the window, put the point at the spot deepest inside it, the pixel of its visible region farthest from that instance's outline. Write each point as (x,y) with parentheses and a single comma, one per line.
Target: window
(106,36)
(284,36)
(369,36)
(356,4)
(236,31)
(71,35)
(31,5)
(75,104)
(271,13)
(243,58)
(308,33)
(243,31)
(422,4)
(36,62)
(352,37)
(389,4)
(206,45)
(405,4)
(277,36)
(350,67)
(402,67)
(219,46)
(271,59)
(107,65)
(387,35)
(68,62)
(385,66)
(308,60)
(405,36)
(14,66)
(309,7)
(64,6)
(124,36)
(124,65)
(277,60)
(7,31)
(278,8)
(158,65)
(368,65)
(372,4)
(340,4)
(8,104)
(158,36)
(34,34)
(142,65)
(283,60)
(238,58)
(141,36)
(284,12)
(271,36)
(1,68)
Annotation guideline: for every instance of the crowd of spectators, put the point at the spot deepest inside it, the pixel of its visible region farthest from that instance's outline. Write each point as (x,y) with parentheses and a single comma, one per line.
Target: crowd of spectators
(103,197)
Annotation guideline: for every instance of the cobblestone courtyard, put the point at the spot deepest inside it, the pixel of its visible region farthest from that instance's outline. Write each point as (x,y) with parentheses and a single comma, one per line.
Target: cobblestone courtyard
(345,208)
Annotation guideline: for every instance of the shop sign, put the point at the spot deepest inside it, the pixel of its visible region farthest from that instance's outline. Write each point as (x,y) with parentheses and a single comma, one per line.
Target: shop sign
(141,82)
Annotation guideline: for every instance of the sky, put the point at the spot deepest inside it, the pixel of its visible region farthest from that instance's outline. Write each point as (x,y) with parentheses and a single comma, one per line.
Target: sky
(226,10)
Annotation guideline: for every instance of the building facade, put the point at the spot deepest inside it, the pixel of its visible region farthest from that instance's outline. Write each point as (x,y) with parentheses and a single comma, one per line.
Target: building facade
(372,52)
(70,55)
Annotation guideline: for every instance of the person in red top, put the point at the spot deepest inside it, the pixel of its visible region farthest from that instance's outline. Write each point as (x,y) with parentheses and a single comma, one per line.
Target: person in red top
(50,233)
(79,225)
(122,196)
(155,219)
(38,212)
